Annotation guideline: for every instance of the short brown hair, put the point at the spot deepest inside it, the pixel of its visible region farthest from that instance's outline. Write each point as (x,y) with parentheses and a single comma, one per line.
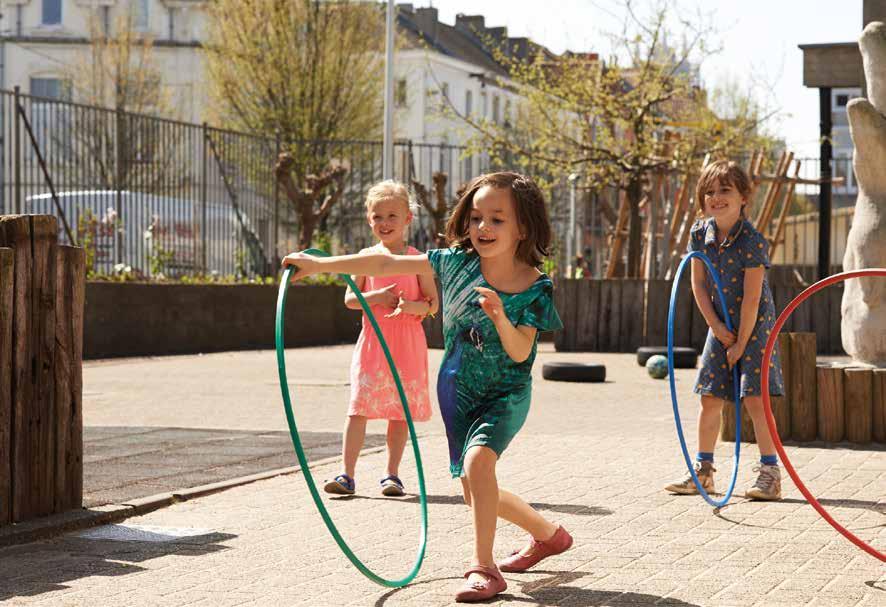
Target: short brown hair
(529,203)
(724,172)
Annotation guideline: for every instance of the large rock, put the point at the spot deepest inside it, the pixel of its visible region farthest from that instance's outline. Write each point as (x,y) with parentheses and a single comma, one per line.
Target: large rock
(864,299)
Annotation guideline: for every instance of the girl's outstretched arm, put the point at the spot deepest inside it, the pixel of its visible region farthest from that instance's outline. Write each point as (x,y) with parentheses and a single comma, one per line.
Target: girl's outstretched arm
(375,264)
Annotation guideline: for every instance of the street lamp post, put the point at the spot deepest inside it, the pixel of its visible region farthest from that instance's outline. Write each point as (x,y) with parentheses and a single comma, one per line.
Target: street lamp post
(388,145)
(570,235)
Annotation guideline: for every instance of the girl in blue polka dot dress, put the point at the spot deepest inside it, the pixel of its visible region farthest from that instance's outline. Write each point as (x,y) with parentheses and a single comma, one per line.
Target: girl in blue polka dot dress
(740,254)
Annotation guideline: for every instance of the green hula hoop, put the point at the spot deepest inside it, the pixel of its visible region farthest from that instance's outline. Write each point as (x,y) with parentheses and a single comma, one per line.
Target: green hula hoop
(299,451)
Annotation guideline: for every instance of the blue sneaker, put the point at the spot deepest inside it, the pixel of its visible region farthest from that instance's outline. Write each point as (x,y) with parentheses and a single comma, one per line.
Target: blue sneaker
(392,486)
(340,485)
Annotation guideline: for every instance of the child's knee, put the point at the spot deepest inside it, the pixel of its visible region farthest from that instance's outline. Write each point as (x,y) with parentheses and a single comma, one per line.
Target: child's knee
(480,462)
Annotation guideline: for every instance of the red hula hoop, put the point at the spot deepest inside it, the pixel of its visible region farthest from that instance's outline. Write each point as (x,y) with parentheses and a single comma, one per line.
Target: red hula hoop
(767,405)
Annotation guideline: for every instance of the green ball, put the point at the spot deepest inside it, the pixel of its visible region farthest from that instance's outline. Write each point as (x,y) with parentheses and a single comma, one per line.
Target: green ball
(657,366)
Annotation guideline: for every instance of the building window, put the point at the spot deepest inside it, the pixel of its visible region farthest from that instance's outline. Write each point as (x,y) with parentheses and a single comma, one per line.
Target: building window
(51,88)
(469,103)
(139,11)
(842,100)
(172,23)
(483,104)
(52,12)
(400,93)
(507,113)
(496,114)
(106,20)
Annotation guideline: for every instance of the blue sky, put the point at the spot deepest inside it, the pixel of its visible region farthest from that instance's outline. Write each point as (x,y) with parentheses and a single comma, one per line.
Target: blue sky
(759,40)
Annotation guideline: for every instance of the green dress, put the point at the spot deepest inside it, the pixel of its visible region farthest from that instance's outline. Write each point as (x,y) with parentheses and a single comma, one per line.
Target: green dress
(483,394)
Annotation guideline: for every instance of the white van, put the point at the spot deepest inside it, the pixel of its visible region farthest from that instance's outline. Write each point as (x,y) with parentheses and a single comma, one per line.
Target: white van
(138,228)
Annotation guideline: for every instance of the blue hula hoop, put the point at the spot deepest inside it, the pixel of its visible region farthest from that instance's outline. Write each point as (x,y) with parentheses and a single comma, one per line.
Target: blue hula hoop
(299,450)
(735,379)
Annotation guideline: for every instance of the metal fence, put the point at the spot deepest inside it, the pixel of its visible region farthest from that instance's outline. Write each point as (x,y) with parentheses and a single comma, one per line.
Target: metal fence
(153,195)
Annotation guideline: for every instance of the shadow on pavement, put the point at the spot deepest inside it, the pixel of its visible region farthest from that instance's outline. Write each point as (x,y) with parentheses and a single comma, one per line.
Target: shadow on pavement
(555,590)
(456,500)
(34,569)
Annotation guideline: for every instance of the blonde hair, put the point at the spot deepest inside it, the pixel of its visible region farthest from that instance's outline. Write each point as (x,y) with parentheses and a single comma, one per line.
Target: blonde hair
(724,172)
(389,189)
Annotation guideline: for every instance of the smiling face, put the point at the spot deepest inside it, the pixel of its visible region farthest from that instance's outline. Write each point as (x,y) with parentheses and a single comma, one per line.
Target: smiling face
(389,218)
(723,202)
(493,227)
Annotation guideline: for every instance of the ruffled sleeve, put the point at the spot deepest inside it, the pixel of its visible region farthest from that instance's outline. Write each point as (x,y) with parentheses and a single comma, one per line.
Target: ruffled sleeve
(540,312)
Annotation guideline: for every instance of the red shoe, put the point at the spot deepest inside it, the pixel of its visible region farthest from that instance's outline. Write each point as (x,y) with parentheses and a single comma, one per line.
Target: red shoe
(537,550)
(480,591)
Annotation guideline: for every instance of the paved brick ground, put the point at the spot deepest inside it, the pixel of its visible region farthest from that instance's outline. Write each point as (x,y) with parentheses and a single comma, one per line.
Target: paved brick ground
(592,457)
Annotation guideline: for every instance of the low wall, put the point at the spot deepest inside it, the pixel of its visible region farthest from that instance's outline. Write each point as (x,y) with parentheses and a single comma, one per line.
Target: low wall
(138,319)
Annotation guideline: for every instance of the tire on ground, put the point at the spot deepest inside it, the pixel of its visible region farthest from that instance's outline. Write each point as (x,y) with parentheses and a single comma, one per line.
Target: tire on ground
(684,358)
(578,372)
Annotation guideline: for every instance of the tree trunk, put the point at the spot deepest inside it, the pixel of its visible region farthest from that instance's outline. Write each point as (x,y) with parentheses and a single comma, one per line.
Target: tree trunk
(634,194)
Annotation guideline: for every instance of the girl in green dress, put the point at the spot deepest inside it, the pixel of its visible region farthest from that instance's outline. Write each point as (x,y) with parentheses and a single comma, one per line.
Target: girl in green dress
(495,301)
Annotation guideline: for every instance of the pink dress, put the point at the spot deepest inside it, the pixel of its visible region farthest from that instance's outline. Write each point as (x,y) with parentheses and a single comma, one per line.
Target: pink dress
(373,391)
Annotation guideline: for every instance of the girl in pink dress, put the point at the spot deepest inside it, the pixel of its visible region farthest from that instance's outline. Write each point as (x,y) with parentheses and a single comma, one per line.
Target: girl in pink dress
(399,303)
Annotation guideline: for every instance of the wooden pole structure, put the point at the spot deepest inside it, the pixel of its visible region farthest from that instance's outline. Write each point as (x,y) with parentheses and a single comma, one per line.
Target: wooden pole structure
(878,427)
(858,387)
(804,399)
(831,418)
(6,285)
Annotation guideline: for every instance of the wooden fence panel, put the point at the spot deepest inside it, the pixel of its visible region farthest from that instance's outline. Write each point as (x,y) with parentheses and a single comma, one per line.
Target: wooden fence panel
(566,301)
(683,314)
(631,311)
(609,323)
(658,296)
(587,314)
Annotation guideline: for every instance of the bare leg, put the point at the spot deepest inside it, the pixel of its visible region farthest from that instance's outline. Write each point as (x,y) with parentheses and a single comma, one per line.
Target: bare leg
(709,423)
(513,509)
(398,432)
(480,471)
(355,433)
(754,405)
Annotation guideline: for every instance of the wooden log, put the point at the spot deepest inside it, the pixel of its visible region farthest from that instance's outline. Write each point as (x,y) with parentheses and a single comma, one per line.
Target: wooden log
(835,298)
(831,421)
(658,296)
(727,424)
(878,406)
(609,322)
(618,240)
(804,405)
(69,301)
(631,313)
(33,238)
(858,387)
(587,315)
(781,405)
(6,297)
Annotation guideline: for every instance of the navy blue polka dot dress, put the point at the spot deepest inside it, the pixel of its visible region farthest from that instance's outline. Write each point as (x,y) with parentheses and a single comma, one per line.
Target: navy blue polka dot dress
(743,248)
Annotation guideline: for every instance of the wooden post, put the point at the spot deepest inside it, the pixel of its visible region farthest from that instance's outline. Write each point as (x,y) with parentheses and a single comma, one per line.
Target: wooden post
(804,423)
(33,239)
(6,286)
(857,393)
(69,301)
(781,405)
(831,421)
(878,427)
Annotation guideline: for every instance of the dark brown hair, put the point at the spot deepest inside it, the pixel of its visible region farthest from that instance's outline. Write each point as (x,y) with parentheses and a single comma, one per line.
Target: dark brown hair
(724,172)
(531,210)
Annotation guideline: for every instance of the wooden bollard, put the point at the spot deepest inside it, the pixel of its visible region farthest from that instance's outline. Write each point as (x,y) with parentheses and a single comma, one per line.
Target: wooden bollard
(804,422)
(6,284)
(858,387)
(831,422)
(781,405)
(69,304)
(878,402)
(727,424)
